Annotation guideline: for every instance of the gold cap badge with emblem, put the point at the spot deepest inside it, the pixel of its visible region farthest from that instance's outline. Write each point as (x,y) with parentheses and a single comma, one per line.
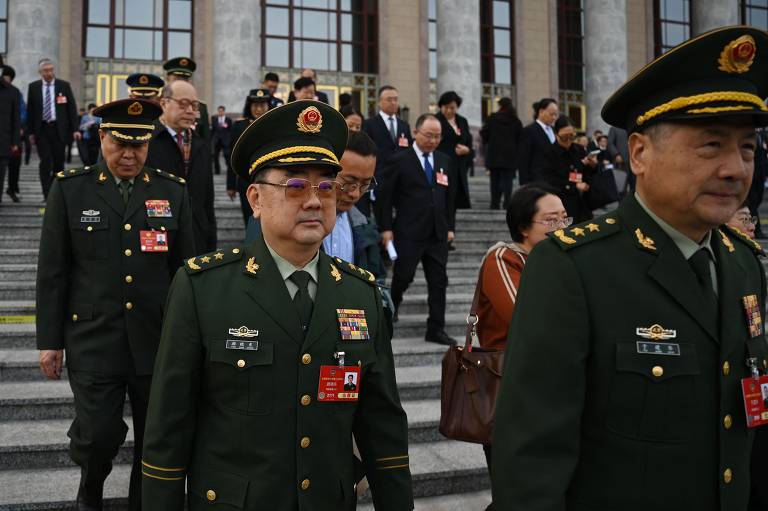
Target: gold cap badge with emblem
(135,108)
(183,62)
(143,79)
(310,120)
(260,93)
(738,55)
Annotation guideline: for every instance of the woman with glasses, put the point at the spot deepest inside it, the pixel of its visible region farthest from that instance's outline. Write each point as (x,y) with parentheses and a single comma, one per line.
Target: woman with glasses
(534,210)
(743,221)
(569,170)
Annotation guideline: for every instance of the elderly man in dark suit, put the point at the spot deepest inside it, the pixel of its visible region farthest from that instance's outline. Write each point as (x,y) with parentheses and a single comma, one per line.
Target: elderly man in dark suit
(420,185)
(535,141)
(221,128)
(10,126)
(178,149)
(52,120)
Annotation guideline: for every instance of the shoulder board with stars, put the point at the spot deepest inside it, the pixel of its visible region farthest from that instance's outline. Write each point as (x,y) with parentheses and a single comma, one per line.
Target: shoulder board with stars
(360,273)
(215,259)
(64,174)
(744,238)
(581,234)
(168,175)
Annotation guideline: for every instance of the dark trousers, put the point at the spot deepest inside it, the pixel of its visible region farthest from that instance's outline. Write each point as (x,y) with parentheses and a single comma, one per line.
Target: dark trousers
(98,430)
(218,147)
(50,148)
(433,255)
(501,185)
(14,168)
(3,166)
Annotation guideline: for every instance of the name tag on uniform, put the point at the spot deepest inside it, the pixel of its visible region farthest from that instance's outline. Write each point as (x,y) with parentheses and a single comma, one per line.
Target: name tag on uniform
(90,216)
(352,324)
(158,208)
(658,348)
(755,392)
(402,141)
(233,344)
(153,241)
(339,384)
(61,99)
(442,178)
(575,177)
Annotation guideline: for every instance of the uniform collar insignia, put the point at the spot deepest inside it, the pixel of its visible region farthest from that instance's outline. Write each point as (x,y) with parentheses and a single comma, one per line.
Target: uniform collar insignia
(102,177)
(656,333)
(145,178)
(252,266)
(646,242)
(726,241)
(243,331)
(335,273)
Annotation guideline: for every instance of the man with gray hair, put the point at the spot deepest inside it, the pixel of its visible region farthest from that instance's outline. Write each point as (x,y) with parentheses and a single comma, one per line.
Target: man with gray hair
(52,120)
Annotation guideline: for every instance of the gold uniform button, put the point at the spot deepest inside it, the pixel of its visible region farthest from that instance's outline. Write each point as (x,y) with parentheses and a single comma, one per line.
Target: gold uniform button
(305,400)
(128,252)
(728,421)
(128,279)
(210,495)
(657,371)
(727,475)
(74,317)
(128,305)
(305,442)
(127,227)
(241,363)
(306,359)
(305,484)
(90,228)
(726,368)
(235,250)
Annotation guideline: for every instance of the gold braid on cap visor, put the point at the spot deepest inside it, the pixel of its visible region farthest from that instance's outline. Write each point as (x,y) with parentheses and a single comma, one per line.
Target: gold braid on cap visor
(709,97)
(293,150)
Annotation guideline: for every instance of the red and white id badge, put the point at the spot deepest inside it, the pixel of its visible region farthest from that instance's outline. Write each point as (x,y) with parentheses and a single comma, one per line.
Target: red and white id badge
(61,99)
(402,141)
(153,241)
(575,177)
(442,178)
(755,391)
(339,383)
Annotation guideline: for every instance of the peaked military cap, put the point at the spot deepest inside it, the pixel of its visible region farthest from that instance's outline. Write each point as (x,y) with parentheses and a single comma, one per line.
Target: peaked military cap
(720,73)
(302,132)
(129,120)
(180,66)
(259,95)
(144,85)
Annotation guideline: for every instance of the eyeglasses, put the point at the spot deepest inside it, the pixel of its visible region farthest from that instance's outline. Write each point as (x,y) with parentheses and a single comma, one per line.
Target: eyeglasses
(430,136)
(566,137)
(747,221)
(363,187)
(299,189)
(185,103)
(555,223)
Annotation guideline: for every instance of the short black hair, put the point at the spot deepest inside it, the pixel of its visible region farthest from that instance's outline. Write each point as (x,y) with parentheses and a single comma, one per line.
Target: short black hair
(594,133)
(522,208)
(345,98)
(271,77)
(422,118)
(302,83)
(9,71)
(91,105)
(360,143)
(541,105)
(385,88)
(348,110)
(448,97)
(563,122)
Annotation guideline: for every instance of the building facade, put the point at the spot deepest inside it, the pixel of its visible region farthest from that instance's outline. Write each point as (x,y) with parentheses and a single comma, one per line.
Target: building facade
(578,51)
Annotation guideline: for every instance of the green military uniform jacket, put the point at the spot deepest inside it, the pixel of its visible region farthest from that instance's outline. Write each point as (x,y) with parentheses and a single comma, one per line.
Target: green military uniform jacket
(243,428)
(586,420)
(99,296)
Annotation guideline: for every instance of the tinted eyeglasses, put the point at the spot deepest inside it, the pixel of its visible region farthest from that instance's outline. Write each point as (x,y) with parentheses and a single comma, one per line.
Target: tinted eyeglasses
(351,187)
(555,223)
(185,103)
(299,189)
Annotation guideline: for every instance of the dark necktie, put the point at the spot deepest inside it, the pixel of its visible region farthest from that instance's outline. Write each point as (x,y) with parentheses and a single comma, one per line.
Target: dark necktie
(301,299)
(392,129)
(700,264)
(47,103)
(126,187)
(180,141)
(428,170)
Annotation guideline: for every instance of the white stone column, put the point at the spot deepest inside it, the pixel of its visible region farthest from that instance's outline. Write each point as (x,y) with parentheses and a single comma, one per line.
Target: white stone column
(33,34)
(458,54)
(237,52)
(605,55)
(710,14)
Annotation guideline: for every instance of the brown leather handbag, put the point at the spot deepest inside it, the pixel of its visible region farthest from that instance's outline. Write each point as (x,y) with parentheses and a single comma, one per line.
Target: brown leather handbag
(470,384)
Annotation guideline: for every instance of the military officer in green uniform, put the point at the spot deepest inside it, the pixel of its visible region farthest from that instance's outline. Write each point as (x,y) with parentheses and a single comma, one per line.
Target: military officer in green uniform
(144,85)
(113,236)
(632,333)
(182,68)
(248,408)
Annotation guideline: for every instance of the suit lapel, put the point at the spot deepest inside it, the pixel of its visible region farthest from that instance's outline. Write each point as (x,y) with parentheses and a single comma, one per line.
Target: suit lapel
(669,269)
(107,189)
(324,311)
(267,288)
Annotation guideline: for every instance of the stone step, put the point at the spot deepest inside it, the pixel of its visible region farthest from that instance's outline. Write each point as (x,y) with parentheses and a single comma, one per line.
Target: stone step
(473,501)
(17,308)
(459,302)
(438,468)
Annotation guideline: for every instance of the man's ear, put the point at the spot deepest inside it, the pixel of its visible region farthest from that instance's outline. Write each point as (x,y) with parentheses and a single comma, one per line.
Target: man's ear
(254,199)
(640,152)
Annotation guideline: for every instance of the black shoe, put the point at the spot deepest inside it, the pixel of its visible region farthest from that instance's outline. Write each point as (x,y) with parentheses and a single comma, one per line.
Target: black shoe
(90,499)
(13,196)
(440,337)
(395,318)
(451,248)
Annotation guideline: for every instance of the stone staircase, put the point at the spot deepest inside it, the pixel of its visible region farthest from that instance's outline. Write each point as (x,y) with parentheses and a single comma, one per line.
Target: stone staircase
(35,470)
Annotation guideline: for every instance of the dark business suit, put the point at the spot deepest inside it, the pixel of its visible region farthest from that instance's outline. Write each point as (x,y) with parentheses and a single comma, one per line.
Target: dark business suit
(425,214)
(164,154)
(51,137)
(222,137)
(10,124)
(375,128)
(533,154)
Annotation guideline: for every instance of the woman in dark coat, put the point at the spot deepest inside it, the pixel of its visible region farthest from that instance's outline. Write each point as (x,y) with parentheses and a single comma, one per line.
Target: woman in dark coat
(501,136)
(569,170)
(457,143)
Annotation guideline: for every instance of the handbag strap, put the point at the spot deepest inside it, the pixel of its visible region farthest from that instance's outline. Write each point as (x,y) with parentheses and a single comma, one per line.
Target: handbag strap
(472,318)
